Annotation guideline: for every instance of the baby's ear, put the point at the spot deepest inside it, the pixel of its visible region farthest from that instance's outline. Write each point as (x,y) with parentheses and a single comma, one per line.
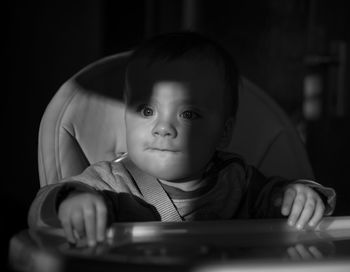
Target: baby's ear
(227,135)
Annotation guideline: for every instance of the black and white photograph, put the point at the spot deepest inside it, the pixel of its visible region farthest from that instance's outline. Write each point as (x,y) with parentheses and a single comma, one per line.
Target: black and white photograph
(176,135)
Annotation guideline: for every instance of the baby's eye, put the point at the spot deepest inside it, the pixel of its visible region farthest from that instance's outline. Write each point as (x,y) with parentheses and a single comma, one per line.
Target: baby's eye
(190,115)
(145,110)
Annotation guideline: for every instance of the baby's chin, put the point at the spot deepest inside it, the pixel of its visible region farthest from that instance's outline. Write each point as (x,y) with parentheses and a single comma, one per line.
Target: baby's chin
(169,172)
(175,167)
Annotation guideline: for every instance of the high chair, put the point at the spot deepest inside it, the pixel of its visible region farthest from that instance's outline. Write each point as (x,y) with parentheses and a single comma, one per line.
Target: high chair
(84,124)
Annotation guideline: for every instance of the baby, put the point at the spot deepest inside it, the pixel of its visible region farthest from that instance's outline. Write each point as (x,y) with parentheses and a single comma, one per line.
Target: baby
(181,94)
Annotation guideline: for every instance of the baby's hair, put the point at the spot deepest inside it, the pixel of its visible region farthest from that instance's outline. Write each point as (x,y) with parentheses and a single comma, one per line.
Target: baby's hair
(189,45)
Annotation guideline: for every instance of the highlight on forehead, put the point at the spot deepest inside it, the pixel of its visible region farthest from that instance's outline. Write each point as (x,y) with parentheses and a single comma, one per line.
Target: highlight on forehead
(200,75)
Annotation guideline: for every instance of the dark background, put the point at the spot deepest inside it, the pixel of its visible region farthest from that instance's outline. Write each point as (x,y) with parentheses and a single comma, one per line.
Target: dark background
(277,44)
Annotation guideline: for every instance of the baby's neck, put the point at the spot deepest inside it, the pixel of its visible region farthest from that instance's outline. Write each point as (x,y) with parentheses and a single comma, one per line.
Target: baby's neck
(188,185)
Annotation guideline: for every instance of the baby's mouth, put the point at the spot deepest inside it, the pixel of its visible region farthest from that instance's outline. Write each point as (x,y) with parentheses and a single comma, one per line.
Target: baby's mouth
(161,149)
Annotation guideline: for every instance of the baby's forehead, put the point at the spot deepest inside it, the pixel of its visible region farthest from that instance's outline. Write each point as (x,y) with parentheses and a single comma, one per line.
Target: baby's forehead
(177,83)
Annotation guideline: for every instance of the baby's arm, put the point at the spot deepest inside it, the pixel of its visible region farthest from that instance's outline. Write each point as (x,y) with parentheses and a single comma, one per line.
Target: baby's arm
(302,205)
(83,214)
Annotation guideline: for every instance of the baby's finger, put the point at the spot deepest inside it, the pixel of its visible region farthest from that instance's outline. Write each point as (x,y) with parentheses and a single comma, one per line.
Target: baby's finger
(101,214)
(90,225)
(78,225)
(307,213)
(318,214)
(68,231)
(288,200)
(297,208)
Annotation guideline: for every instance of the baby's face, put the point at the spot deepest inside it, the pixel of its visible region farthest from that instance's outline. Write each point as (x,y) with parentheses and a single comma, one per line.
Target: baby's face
(174,117)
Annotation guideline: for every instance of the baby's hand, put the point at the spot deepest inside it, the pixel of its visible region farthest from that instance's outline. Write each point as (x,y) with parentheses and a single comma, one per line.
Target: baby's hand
(303,205)
(83,215)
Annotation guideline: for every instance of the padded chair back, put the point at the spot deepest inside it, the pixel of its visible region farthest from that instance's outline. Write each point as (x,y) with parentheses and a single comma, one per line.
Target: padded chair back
(84,124)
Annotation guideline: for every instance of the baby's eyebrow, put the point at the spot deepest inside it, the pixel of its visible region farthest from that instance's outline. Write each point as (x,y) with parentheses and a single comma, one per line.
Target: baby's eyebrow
(190,104)
(194,106)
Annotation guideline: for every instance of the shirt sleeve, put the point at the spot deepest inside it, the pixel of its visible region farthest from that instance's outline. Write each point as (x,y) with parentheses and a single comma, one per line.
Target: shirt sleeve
(262,193)
(44,209)
(122,198)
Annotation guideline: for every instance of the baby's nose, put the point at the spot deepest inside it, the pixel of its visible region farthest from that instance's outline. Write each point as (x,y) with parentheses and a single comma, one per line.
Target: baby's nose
(164,129)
